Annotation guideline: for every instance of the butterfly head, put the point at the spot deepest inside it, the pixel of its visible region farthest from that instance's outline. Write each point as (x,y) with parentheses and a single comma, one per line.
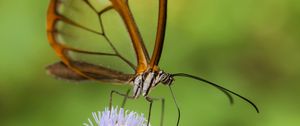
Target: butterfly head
(144,82)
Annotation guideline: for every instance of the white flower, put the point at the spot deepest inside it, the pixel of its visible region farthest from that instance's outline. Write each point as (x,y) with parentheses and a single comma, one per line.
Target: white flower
(116,117)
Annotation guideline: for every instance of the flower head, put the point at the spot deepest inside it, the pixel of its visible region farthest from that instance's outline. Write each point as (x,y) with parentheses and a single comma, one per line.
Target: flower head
(116,117)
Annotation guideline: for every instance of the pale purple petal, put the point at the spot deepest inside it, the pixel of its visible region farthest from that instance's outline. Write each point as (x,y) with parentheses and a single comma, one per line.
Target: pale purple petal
(116,117)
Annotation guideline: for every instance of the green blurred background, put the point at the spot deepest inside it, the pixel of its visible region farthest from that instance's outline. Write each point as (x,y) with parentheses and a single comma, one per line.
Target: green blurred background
(251,47)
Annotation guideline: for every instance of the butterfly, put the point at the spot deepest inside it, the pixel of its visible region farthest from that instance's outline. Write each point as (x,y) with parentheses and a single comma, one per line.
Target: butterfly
(147,73)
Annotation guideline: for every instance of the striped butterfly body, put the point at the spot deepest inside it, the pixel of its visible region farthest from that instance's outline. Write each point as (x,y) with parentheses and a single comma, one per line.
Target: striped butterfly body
(64,26)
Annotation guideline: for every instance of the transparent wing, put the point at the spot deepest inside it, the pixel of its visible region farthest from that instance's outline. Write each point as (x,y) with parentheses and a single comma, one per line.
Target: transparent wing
(151,16)
(89,31)
(96,32)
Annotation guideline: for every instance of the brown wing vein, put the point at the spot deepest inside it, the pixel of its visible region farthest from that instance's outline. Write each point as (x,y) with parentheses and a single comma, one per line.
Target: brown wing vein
(60,49)
(100,13)
(103,33)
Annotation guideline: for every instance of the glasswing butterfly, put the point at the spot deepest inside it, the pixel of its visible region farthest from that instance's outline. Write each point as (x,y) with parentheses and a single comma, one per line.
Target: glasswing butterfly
(147,74)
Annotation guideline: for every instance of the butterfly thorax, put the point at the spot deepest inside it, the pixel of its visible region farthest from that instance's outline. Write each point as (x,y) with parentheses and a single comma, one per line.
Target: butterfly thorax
(144,82)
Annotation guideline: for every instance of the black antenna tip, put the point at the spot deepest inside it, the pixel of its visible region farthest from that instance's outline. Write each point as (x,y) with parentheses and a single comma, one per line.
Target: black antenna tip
(224,90)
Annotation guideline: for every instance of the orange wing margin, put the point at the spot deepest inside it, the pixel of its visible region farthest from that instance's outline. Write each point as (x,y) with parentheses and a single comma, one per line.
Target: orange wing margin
(121,6)
(160,35)
(52,18)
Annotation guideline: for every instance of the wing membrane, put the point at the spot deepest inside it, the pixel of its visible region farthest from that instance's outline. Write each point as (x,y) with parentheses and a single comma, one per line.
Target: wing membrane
(121,6)
(71,35)
(152,27)
(65,31)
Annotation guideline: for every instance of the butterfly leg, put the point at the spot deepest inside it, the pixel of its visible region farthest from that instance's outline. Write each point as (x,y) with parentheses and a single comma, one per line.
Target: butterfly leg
(178,110)
(126,96)
(151,100)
